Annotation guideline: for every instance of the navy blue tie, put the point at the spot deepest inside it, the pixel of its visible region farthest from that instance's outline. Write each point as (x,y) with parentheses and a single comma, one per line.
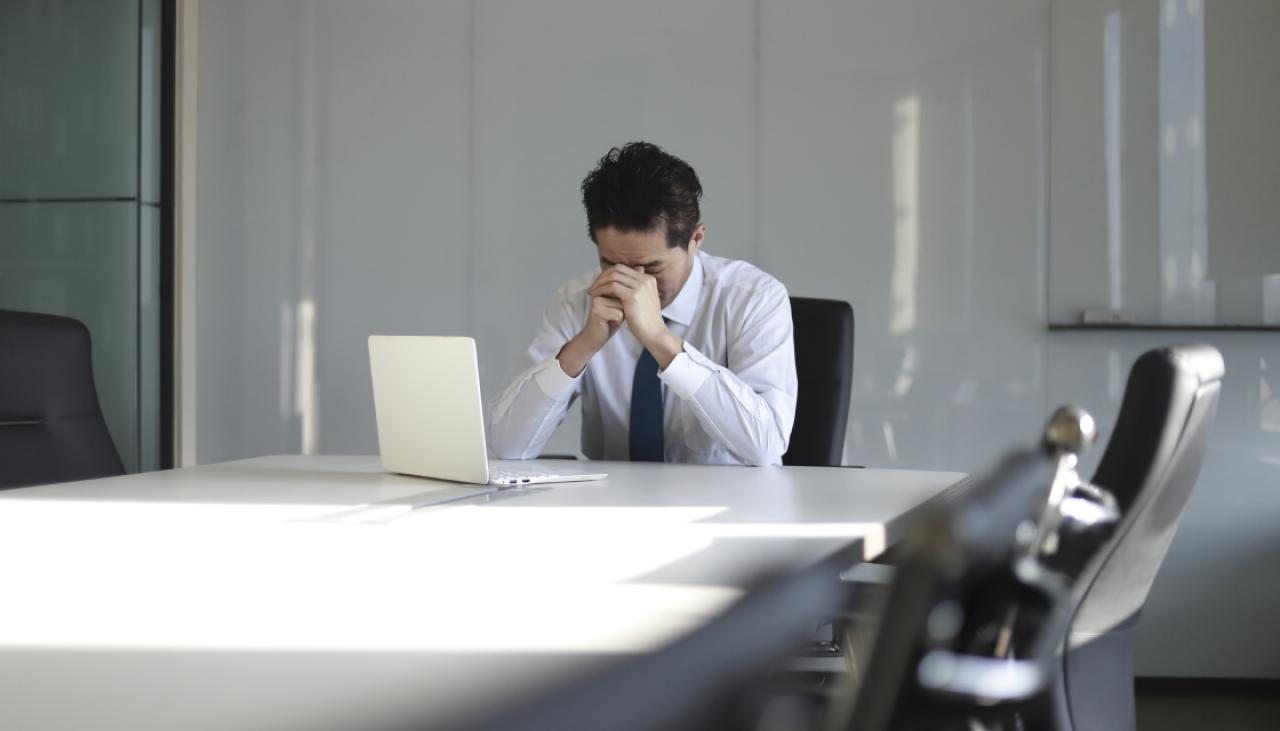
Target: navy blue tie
(646,411)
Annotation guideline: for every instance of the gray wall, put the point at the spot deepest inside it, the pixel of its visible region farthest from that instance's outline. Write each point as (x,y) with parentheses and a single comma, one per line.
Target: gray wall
(412,167)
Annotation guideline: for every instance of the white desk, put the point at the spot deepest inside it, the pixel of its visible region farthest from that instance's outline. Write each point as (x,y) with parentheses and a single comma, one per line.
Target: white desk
(307,592)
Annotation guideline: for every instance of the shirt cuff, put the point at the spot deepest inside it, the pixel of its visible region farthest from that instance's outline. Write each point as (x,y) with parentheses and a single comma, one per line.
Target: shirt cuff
(554,382)
(686,373)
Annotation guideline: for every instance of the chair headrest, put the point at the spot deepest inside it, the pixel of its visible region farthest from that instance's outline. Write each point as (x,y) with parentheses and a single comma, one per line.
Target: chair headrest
(1203,360)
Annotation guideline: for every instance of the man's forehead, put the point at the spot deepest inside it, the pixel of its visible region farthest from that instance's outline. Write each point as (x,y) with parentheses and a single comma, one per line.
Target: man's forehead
(633,248)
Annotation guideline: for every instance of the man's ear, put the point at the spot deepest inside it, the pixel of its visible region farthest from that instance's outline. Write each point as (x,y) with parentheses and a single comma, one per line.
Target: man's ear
(695,241)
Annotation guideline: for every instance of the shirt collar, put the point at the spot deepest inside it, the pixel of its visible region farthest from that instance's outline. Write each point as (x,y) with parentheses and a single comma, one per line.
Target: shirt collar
(685,304)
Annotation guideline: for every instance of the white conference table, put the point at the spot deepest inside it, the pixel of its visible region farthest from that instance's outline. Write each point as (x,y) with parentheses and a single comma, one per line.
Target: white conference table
(320,592)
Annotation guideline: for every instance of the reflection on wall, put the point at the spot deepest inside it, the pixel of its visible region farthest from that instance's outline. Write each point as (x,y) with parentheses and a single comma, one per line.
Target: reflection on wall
(906,210)
(1268,399)
(306,400)
(1186,292)
(1113,98)
(1271,299)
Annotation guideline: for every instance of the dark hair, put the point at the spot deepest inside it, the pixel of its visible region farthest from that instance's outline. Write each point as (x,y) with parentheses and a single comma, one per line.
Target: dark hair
(638,187)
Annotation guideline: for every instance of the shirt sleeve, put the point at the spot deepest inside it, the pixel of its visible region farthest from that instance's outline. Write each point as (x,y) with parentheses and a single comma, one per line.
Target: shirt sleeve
(537,397)
(748,405)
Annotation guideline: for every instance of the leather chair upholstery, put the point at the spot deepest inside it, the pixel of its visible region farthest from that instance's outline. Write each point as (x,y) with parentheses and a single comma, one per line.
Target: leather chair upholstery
(954,590)
(824,369)
(1150,465)
(51,427)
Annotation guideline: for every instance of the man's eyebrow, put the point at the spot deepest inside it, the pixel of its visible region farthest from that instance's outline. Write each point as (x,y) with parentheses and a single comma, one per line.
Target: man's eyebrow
(647,267)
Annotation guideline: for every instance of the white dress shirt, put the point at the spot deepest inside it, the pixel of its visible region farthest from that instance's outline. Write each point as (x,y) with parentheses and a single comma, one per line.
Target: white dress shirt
(728,398)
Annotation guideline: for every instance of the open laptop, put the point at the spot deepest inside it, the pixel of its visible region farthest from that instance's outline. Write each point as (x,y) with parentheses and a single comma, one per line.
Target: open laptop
(426,392)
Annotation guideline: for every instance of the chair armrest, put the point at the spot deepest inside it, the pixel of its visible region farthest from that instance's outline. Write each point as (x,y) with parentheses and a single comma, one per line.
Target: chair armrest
(869,574)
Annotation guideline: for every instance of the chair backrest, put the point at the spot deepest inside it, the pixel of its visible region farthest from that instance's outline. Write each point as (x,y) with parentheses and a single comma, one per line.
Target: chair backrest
(1150,465)
(935,662)
(824,369)
(699,681)
(51,427)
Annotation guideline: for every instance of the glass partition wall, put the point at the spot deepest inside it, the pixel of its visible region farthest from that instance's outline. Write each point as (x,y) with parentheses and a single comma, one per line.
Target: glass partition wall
(81,195)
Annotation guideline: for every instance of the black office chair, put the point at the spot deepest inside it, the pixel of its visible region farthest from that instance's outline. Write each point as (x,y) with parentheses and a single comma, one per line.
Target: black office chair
(1150,465)
(51,427)
(968,627)
(714,677)
(953,561)
(824,369)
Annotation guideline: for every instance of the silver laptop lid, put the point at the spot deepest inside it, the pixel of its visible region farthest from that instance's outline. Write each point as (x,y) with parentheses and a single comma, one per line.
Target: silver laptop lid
(426,394)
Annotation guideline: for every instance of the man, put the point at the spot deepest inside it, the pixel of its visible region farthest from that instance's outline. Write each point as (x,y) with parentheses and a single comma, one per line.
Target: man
(678,355)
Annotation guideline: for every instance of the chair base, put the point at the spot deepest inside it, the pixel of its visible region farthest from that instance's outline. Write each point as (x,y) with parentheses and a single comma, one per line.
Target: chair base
(1099,680)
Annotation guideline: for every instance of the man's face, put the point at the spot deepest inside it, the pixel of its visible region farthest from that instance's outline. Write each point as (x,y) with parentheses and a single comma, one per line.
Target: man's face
(671,266)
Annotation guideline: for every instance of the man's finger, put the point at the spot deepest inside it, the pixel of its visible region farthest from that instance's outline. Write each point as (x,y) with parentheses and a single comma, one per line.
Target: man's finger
(626,270)
(611,289)
(624,273)
(631,274)
(617,268)
(618,275)
(606,303)
(616,290)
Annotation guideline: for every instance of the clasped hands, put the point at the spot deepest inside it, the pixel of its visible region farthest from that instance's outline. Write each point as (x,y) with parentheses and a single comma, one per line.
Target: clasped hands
(622,294)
